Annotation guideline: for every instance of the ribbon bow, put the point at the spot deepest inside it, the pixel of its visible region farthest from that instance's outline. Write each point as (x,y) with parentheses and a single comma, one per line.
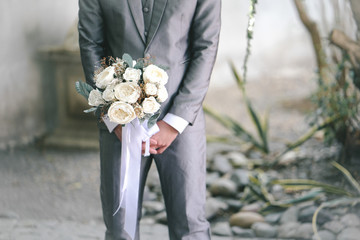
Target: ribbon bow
(133,134)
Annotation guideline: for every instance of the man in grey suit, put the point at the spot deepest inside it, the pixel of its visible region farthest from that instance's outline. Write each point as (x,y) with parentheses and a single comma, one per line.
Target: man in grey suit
(183,36)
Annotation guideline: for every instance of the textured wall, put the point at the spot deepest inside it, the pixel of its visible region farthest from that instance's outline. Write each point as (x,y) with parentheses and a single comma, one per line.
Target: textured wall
(25,27)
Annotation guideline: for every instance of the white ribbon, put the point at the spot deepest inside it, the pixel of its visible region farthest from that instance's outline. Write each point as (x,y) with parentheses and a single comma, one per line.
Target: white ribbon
(133,134)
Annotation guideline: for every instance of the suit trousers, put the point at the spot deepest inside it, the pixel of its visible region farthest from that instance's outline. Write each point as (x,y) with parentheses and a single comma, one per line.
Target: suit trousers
(182,172)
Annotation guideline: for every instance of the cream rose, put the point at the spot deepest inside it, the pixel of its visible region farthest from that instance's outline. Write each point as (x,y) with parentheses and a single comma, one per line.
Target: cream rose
(150,89)
(128,92)
(95,98)
(150,105)
(132,74)
(105,77)
(162,94)
(109,94)
(121,113)
(154,74)
(139,111)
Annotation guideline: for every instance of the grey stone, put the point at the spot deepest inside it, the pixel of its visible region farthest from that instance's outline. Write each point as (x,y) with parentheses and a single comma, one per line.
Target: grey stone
(350,220)
(305,231)
(290,215)
(153,207)
(161,217)
(223,187)
(288,158)
(234,205)
(148,195)
(237,159)
(254,207)
(9,215)
(306,215)
(334,226)
(277,191)
(349,234)
(211,178)
(242,232)
(213,207)
(221,229)
(288,230)
(325,235)
(221,164)
(240,177)
(264,230)
(273,218)
(245,219)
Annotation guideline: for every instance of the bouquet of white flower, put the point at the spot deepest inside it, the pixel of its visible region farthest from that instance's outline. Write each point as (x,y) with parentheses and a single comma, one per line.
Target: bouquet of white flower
(127,89)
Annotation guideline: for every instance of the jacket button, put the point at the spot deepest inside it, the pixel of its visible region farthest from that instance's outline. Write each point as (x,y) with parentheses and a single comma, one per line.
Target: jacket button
(146,10)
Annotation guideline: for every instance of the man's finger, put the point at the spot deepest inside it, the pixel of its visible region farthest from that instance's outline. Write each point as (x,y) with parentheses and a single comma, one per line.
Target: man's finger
(161,150)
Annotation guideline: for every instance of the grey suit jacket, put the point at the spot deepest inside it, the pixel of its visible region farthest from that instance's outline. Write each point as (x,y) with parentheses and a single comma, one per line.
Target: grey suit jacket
(183,36)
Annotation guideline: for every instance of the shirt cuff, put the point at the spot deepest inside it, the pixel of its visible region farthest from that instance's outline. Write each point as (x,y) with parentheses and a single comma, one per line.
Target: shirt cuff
(176,122)
(110,125)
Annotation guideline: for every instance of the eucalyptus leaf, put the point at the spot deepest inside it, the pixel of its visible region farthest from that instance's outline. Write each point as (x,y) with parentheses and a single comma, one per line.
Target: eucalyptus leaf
(128,59)
(139,65)
(153,119)
(90,110)
(83,88)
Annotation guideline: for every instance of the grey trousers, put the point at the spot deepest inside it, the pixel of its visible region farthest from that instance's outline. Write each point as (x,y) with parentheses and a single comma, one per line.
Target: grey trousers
(182,171)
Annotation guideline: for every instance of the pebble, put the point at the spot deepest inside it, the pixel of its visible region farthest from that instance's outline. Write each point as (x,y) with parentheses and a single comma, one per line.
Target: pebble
(153,207)
(221,164)
(325,235)
(306,215)
(213,207)
(288,158)
(277,191)
(221,229)
(234,205)
(240,177)
(161,217)
(288,230)
(350,220)
(223,187)
(242,232)
(334,226)
(290,215)
(349,234)
(237,159)
(9,215)
(211,178)
(305,231)
(254,207)
(264,230)
(245,219)
(273,218)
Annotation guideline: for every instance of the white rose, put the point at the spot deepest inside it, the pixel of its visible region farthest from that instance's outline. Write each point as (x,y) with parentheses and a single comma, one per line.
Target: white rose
(121,113)
(105,77)
(128,92)
(132,74)
(150,89)
(139,111)
(154,74)
(95,98)
(162,94)
(150,105)
(109,94)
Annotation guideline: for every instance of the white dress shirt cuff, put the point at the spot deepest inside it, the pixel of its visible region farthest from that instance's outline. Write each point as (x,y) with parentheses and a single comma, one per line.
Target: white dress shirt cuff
(176,122)
(110,125)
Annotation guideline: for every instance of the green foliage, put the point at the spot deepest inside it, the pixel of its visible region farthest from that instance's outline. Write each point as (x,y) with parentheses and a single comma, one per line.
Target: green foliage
(128,59)
(339,99)
(83,88)
(153,119)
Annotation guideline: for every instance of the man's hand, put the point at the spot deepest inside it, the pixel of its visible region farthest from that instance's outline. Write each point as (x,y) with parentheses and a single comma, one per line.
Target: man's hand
(153,143)
(164,137)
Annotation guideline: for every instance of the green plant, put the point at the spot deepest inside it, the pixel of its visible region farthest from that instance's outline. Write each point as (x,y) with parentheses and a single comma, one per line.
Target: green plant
(261,125)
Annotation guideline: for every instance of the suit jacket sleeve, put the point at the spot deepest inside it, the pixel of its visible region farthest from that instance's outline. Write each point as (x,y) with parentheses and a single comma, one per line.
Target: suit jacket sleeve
(91,37)
(204,37)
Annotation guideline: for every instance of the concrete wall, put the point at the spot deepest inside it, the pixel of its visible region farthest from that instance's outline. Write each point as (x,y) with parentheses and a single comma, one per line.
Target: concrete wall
(26,26)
